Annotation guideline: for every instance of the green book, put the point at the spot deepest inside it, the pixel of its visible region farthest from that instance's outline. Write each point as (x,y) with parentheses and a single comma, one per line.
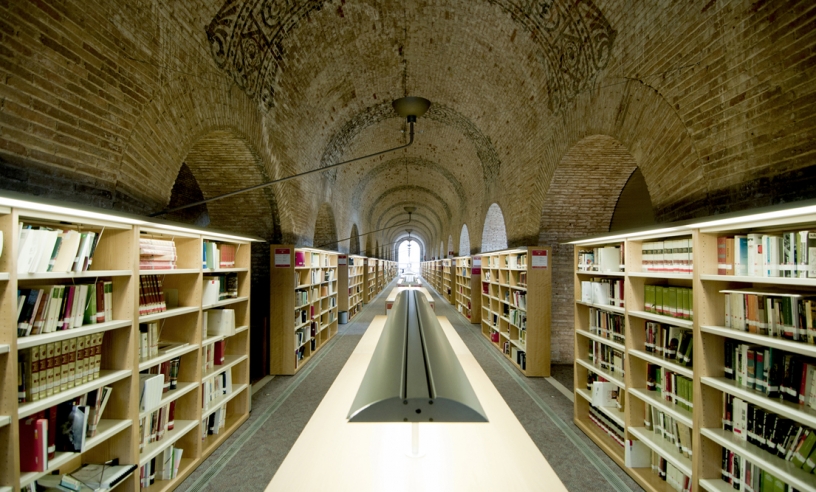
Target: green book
(649,299)
(658,304)
(691,305)
(801,454)
(89,317)
(671,302)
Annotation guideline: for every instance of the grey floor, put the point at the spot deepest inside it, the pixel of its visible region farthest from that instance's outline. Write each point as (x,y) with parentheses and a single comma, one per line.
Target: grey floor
(283,406)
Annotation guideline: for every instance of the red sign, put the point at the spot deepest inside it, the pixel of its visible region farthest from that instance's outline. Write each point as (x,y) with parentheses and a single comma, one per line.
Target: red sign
(539,258)
(283,257)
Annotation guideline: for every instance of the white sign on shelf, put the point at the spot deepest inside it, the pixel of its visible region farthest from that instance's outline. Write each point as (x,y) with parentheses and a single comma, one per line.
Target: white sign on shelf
(283,257)
(341,259)
(539,258)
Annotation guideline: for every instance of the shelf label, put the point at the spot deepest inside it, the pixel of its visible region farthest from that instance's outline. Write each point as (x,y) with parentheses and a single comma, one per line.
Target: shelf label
(539,258)
(341,259)
(283,257)
(477,265)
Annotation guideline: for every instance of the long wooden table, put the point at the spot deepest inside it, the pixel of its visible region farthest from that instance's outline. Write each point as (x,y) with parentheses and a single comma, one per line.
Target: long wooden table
(392,297)
(333,454)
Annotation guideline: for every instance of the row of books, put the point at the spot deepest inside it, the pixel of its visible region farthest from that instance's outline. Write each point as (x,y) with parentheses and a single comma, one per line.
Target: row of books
(670,342)
(676,302)
(218,322)
(789,254)
(214,423)
(313,259)
(155,425)
(214,387)
(517,355)
(44,249)
(219,287)
(774,314)
(217,255)
(608,259)
(213,354)
(157,254)
(603,292)
(775,434)
(63,307)
(773,372)
(320,276)
(670,256)
(669,473)
(516,316)
(607,425)
(47,369)
(606,394)
(741,474)
(151,295)
(607,358)
(516,298)
(607,325)
(672,387)
(64,427)
(667,428)
(165,466)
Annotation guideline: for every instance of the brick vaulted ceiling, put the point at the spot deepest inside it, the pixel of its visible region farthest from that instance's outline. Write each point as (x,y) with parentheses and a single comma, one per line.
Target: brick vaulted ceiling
(106,100)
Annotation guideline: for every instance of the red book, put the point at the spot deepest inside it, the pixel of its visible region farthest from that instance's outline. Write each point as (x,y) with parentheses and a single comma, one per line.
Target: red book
(171,415)
(69,304)
(100,302)
(220,348)
(33,445)
(721,255)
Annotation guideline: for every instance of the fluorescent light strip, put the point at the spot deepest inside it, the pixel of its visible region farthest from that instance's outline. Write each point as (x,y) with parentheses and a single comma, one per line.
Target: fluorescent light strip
(778,214)
(630,235)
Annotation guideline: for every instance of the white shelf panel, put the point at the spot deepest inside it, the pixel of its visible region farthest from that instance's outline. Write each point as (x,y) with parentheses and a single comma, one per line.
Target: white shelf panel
(105,378)
(652,398)
(173,271)
(225,270)
(598,338)
(211,340)
(225,302)
(87,274)
(799,413)
(613,413)
(6,489)
(60,458)
(777,466)
(229,361)
(666,275)
(215,405)
(4,348)
(685,323)
(105,430)
(799,282)
(602,274)
(181,390)
(519,345)
(180,427)
(168,314)
(4,276)
(241,329)
(662,447)
(611,309)
(618,380)
(4,420)
(170,354)
(673,366)
(780,343)
(55,336)
(716,485)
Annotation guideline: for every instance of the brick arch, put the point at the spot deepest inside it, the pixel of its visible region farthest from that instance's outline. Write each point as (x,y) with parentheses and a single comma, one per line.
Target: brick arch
(354,242)
(377,248)
(325,229)
(224,160)
(450,246)
(494,232)
(186,190)
(404,238)
(396,213)
(583,193)
(419,196)
(464,241)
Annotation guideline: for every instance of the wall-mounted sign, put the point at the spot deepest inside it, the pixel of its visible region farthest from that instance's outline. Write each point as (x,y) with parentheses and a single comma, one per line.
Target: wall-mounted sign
(539,258)
(283,257)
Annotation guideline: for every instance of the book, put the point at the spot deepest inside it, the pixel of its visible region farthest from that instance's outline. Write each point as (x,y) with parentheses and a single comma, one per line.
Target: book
(103,476)
(33,444)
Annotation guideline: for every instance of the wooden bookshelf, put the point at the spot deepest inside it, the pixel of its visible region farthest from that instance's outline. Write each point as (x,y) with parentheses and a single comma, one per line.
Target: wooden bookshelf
(448,291)
(350,283)
(709,336)
(467,287)
(516,290)
(304,316)
(381,265)
(116,259)
(370,280)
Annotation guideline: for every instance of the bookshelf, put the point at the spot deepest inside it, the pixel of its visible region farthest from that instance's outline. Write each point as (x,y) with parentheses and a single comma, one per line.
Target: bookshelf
(102,346)
(350,283)
(516,290)
(381,266)
(304,283)
(467,281)
(370,280)
(720,391)
(448,281)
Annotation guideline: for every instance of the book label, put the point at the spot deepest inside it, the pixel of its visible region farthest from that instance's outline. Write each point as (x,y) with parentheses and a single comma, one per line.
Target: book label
(341,259)
(477,265)
(539,258)
(283,257)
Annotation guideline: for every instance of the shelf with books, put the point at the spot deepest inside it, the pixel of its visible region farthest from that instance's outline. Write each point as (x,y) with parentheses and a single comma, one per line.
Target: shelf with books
(104,250)
(662,447)
(467,285)
(447,289)
(180,430)
(369,280)
(350,283)
(225,302)
(617,415)
(306,307)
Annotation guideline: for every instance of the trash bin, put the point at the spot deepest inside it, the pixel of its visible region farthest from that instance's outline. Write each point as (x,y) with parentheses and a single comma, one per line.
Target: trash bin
(343,317)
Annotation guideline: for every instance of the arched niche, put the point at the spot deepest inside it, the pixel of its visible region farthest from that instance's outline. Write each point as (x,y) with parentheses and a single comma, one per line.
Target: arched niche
(494,233)
(325,231)
(464,241)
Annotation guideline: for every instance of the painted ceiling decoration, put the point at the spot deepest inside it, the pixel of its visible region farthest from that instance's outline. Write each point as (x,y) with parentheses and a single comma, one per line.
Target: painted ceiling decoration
(246,40)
